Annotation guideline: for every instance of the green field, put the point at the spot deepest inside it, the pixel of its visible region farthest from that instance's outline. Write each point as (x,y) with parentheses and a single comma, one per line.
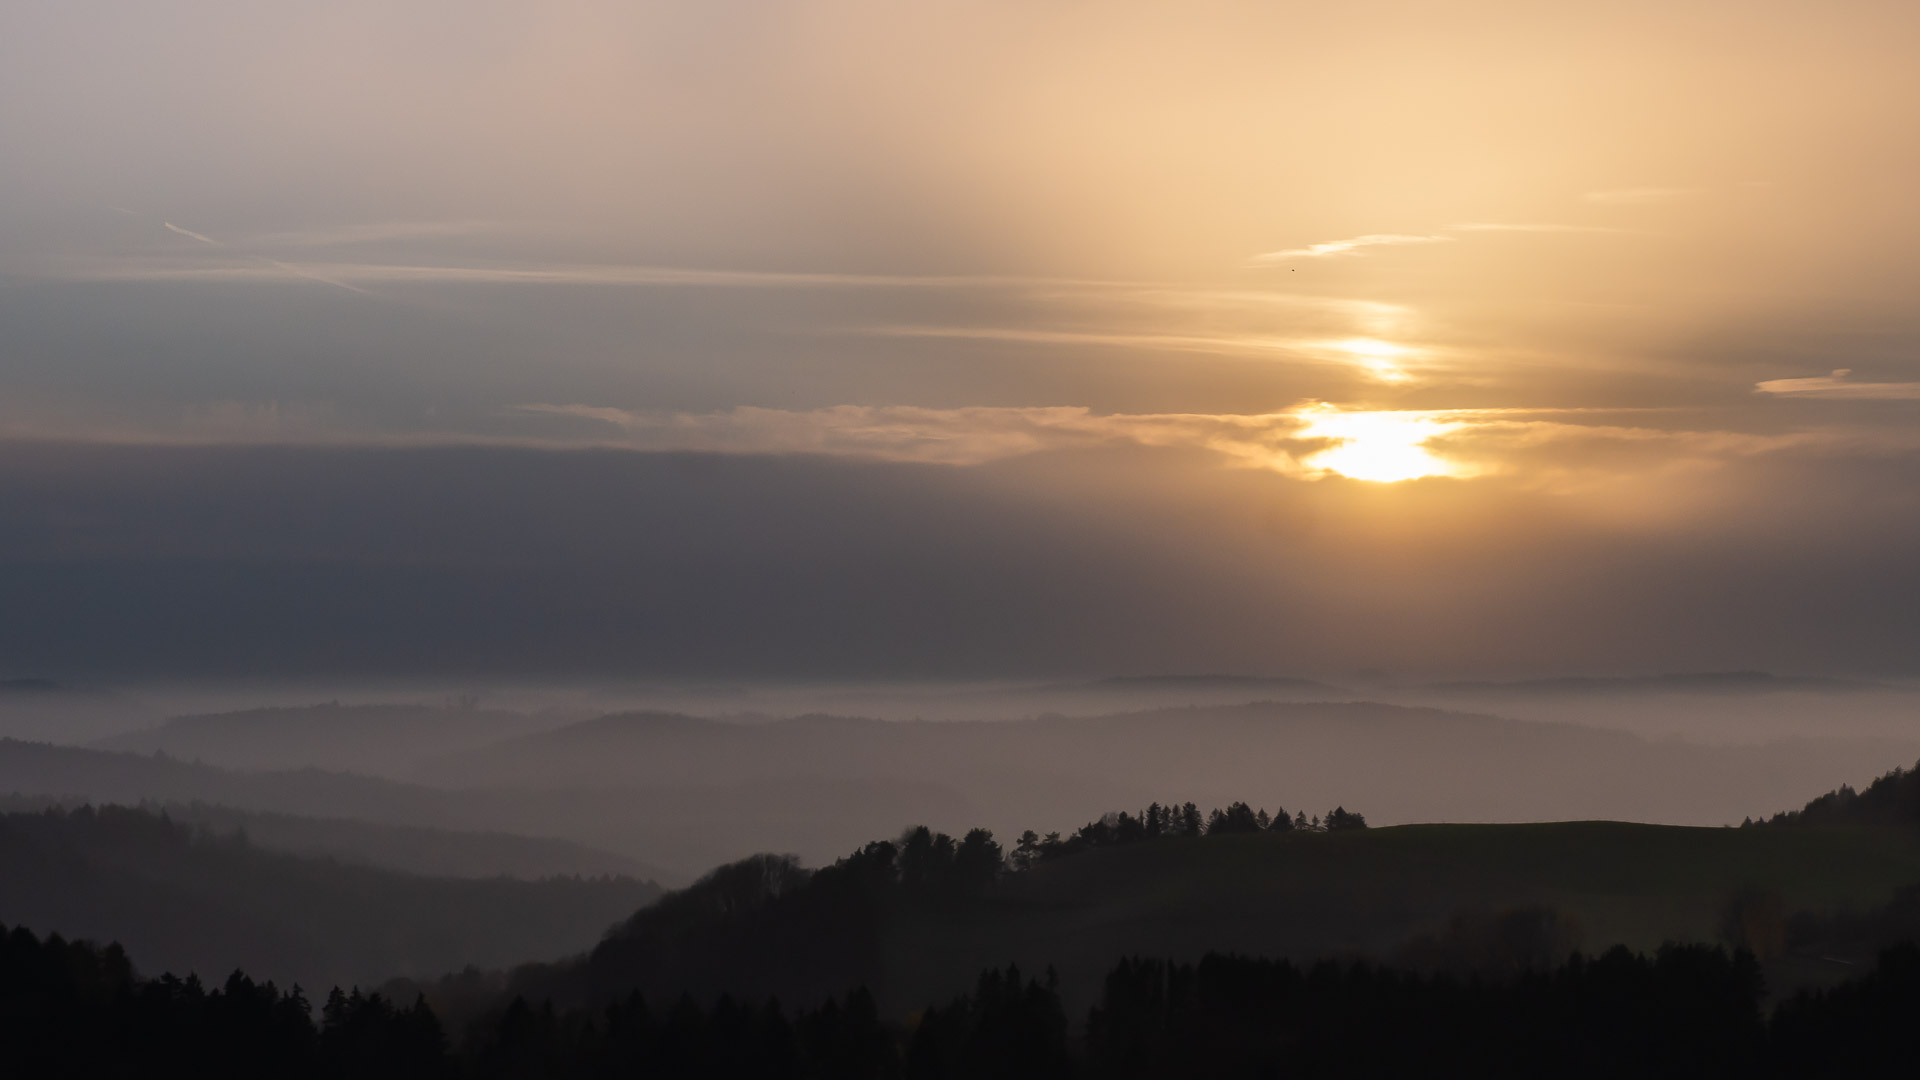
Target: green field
(1308,895)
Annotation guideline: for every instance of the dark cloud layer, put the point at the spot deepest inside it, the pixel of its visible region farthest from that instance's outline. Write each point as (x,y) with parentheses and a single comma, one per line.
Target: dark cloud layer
(144,561)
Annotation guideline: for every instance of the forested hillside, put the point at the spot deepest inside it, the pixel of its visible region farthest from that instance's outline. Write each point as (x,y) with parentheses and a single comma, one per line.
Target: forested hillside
(188,900)
(912,919)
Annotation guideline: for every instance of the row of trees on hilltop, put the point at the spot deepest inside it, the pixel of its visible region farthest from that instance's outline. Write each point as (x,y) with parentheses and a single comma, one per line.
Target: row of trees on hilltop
(923,861)
(1893,799)
(73,1010)
(1182,820)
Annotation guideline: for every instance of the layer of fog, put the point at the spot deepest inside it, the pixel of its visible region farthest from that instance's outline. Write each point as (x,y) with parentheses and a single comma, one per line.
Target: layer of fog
(679,777)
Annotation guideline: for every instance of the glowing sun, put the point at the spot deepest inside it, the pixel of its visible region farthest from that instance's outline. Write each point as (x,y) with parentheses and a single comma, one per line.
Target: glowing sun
(1379,446)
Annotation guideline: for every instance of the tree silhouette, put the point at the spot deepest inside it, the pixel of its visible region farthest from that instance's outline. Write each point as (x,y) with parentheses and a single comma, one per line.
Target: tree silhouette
(1191,823)
(1340,820)
(978,860)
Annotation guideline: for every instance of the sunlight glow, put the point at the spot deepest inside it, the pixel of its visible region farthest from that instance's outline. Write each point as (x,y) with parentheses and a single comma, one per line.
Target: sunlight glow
(1382,447)
(1381,359)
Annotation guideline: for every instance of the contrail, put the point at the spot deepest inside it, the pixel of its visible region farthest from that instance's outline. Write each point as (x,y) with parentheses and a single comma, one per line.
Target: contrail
(311,276)
(190,234)
(275,263)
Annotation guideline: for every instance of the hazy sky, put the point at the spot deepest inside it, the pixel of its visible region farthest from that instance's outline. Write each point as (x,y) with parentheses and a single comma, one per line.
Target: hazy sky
(959,338)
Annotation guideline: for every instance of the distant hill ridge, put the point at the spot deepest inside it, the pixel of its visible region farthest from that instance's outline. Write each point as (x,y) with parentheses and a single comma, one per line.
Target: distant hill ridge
(383,739)
(1409,763)
(1230,682)
(1708,682)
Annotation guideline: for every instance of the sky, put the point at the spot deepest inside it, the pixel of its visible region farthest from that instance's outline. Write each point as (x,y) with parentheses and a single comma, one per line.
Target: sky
(958,339)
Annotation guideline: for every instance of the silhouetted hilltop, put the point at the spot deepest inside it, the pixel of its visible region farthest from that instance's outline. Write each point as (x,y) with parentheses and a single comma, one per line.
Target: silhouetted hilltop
(188,899)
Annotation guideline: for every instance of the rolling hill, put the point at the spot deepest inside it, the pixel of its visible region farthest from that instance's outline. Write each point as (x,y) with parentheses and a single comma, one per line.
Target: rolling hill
(189,901)
(1402,894)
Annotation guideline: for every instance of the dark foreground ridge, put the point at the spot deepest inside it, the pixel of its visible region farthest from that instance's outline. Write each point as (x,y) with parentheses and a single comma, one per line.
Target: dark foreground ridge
(71,1009)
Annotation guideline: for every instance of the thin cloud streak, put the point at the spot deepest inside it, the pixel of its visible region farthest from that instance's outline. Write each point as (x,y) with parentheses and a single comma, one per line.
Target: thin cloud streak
(1836,387)
(1220,345)
(565,274)
(375,232)
(190,234)
(964,436)
(284,268)
(1347,246)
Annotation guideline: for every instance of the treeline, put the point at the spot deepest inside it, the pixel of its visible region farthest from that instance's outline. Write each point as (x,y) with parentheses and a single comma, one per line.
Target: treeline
(1183,820)
(71,1009)
(1893,799)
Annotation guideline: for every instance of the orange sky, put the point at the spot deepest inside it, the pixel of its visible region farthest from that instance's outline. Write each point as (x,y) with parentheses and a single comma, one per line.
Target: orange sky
(1632,268)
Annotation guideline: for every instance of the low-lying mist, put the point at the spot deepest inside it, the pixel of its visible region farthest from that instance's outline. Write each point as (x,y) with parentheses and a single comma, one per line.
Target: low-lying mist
(679,777)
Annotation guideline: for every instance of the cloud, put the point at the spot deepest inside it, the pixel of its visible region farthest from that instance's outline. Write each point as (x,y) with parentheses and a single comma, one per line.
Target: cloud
(1353,244)
(1637,196)
(1836,387)
(375,232)
(261,265)
(1347,246)
(1544,448)
(190,234)
(1255,345)
(362,273)
(964,436)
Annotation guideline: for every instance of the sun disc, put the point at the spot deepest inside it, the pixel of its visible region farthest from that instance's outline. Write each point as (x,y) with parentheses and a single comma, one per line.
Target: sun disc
(1381,447)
